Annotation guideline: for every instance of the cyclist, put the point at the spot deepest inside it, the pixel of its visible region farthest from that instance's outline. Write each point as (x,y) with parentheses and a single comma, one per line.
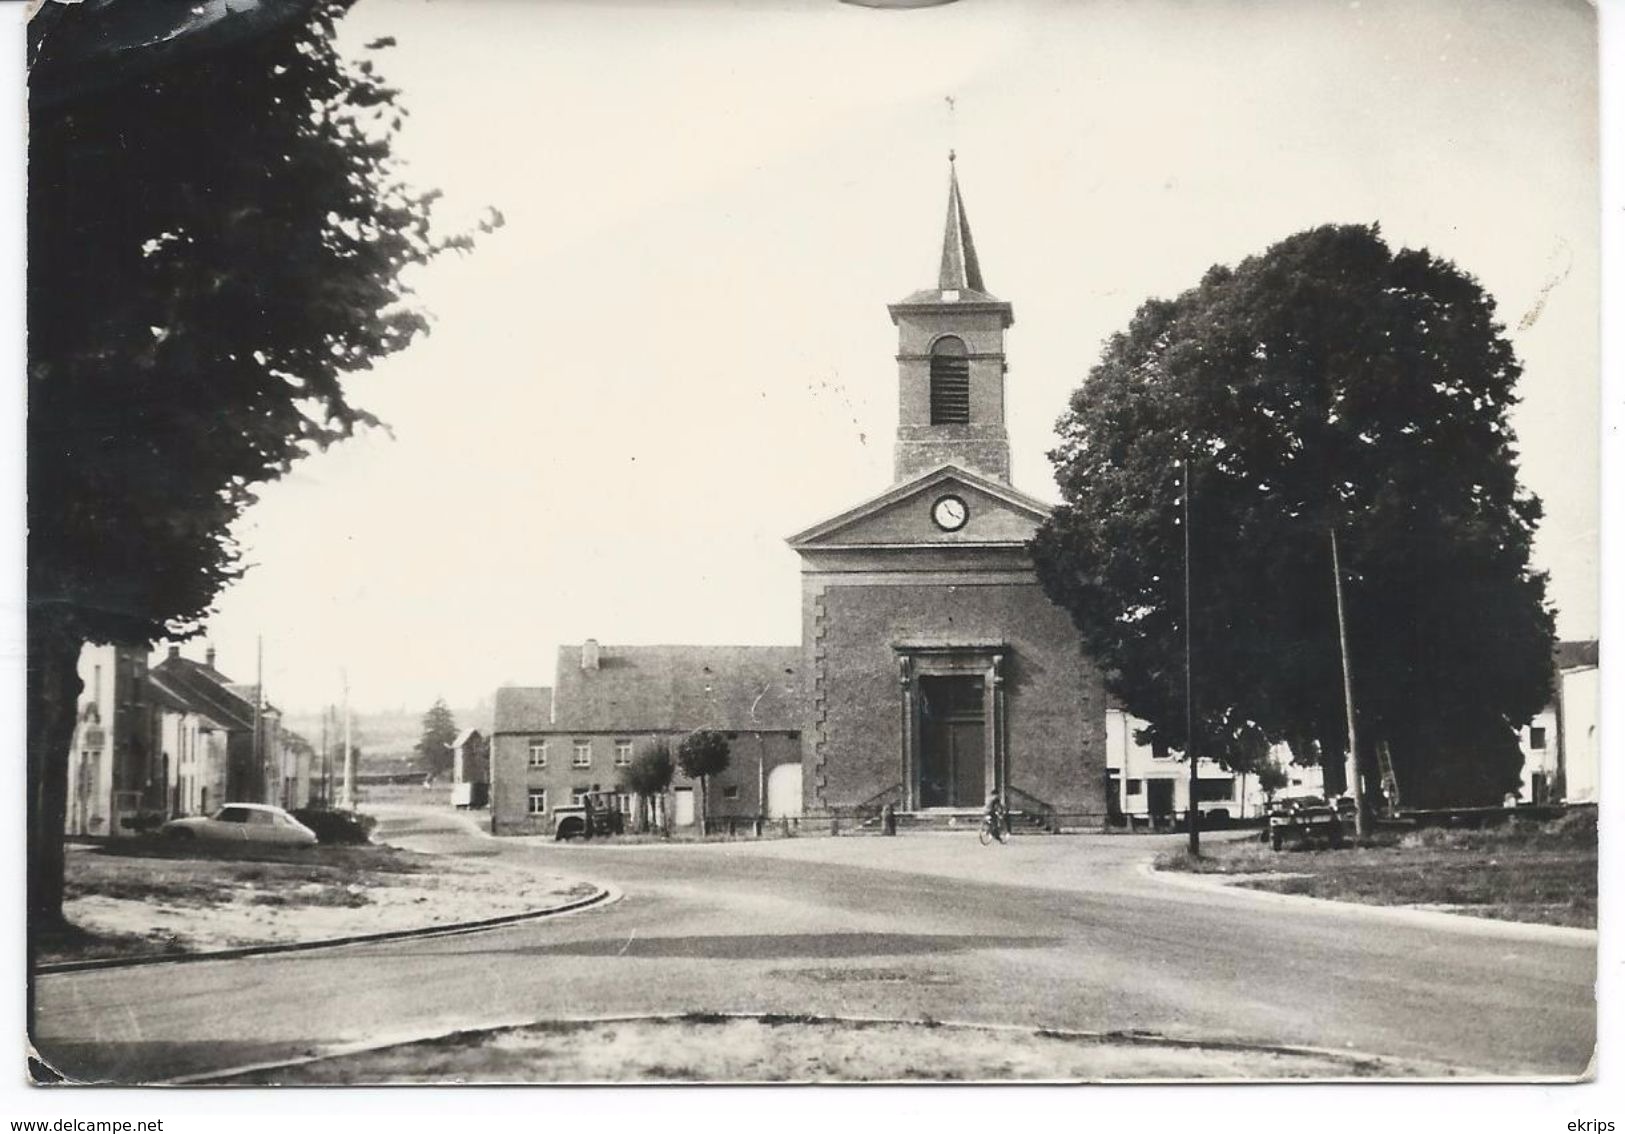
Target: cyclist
(995,823)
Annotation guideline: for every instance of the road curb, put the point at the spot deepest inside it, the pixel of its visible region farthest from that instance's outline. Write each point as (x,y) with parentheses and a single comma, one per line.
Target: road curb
(603,894)
(1440,1073)
(1425,919)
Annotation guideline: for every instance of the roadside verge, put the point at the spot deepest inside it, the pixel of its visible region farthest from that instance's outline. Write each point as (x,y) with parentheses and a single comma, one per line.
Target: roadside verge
(601,894)
(1426,919)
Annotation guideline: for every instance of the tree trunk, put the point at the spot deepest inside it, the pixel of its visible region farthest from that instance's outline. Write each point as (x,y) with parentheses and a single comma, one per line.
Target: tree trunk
(52,706)
(704,829)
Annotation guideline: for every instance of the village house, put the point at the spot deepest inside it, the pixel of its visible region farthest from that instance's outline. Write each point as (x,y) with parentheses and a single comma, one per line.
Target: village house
(1560,744)
(608,703)
(264,763)
(1150,786)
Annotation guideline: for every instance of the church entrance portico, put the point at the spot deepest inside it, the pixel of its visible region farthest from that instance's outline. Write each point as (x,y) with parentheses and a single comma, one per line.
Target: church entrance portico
(952,755)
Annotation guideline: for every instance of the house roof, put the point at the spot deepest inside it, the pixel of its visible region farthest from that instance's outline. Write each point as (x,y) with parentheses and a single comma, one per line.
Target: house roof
(202,688)
(1576,655)
(665,688)
(463,737)
(175,700)
(522,709)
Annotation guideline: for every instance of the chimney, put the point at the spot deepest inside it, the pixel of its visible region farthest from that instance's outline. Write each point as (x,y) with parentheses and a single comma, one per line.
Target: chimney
(174,652)
(208,657)
(589,654)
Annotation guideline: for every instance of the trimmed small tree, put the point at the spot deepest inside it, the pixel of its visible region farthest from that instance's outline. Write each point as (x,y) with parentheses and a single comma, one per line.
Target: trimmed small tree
(1271,778)
(647,776)
(701,755)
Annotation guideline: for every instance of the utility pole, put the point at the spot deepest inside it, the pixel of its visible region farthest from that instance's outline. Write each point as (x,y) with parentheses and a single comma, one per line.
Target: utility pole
(1353,763)
(327,788)
(1193,814)
(347,801)
(259,718)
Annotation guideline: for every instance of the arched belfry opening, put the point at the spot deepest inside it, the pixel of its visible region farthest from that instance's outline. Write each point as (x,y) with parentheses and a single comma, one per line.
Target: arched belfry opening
(950,382)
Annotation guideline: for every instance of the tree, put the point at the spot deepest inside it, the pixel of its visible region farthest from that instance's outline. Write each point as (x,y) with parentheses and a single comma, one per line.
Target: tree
(647,776)
(434,750)
(1271,778)
(214,243)
(1328,388)
(701,755)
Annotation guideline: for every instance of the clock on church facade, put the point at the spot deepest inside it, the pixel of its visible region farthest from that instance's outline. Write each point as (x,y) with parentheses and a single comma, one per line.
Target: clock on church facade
(937,671)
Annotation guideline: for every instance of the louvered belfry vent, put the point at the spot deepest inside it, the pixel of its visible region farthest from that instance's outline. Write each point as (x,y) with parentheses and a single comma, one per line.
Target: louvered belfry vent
(950,383)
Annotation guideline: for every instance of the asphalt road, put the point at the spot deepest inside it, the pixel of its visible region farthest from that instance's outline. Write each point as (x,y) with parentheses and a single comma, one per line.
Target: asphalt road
(1056,932)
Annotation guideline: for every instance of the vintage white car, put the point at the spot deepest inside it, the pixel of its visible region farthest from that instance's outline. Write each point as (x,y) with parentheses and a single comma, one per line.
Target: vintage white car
(242,823)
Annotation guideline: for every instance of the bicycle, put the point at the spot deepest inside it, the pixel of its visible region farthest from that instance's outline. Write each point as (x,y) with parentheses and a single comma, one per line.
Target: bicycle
(994,826)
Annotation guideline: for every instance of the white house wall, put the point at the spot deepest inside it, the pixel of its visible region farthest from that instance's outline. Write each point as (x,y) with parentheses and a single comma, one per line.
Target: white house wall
(1580,734)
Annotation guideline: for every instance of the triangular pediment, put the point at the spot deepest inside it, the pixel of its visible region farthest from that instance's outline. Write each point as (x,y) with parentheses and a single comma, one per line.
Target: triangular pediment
(907,515)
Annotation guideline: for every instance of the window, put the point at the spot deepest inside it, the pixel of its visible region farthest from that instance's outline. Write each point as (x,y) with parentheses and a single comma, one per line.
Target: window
(1133,787)
(1216,791)
(623,802)
(233,815)
(538,801)
(538,753)
(583,755)
(1537,737)
(730,792)
(1160,751)
(950,382)
(623,753)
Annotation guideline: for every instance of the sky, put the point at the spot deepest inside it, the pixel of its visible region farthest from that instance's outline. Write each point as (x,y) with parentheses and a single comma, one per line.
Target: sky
(676,351)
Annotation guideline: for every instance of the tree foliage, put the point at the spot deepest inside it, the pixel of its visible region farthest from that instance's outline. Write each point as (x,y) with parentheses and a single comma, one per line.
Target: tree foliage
(435,755)
(213,243)
(1327,384)
(649,775)
(702,754)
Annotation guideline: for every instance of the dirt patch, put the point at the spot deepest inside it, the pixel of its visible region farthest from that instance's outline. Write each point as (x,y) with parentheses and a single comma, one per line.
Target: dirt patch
(1543,873)
(142,899)
(799,1049)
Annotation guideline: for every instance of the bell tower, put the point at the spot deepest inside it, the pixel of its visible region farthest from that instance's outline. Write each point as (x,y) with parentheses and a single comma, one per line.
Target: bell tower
(950,362)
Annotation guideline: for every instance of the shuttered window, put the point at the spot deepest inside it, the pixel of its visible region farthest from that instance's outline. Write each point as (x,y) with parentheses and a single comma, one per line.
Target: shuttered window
(950,382)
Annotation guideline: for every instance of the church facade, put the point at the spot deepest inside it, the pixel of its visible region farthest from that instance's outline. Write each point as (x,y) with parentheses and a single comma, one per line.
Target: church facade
(937,671)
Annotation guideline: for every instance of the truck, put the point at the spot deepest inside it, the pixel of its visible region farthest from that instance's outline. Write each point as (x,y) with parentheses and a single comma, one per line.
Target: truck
(594,813)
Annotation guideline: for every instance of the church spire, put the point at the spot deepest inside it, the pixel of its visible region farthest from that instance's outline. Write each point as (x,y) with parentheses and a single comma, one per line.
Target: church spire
(960,269)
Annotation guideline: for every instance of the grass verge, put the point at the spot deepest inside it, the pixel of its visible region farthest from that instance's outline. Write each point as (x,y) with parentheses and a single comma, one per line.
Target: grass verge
(1544,873)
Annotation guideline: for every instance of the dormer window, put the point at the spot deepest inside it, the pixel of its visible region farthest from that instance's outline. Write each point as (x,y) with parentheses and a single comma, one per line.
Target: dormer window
(950,382)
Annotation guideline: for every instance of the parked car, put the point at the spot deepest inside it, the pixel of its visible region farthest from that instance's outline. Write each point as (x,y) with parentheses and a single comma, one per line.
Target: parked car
(242,823)
(1302,819)
(596,813)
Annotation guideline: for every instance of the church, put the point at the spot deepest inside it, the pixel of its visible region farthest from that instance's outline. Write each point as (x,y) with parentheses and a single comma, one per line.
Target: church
(937,672)
(933,672)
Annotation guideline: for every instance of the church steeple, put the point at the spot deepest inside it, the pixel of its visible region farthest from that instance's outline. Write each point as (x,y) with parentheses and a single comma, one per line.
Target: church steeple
(960,269)
(951,361)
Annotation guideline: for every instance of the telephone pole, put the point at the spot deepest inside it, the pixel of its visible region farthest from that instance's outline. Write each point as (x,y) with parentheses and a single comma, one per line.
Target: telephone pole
(347,800)
(1193,815)
(1353,764)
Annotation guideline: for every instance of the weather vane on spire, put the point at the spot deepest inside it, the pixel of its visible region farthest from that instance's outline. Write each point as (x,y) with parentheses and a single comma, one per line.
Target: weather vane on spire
(951,154)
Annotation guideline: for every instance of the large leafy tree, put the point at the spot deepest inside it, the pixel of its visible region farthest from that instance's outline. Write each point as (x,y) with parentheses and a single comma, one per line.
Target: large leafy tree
(434,751)
(1329,387)
(216,237)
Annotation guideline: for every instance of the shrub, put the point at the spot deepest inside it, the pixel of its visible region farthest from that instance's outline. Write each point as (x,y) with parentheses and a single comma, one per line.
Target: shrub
(333,826)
